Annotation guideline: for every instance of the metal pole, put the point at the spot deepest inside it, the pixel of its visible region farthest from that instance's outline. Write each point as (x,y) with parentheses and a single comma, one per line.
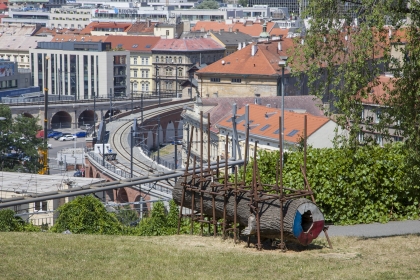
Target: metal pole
(45,159)
(191,76)
(158,138)
(282,115)
(132,92)
(94,114)
(176,156)
(141,105)
(110,105)
(59,83)
(131,152)
(176,80)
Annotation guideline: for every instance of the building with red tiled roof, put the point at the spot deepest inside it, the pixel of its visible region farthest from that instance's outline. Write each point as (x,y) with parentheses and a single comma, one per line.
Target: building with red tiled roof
(264,128)
(219,109)
(253,69)
(172,58)
(107,28)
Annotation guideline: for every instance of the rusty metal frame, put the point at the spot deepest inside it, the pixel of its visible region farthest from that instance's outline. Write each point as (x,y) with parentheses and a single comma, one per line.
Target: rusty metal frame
(255,191)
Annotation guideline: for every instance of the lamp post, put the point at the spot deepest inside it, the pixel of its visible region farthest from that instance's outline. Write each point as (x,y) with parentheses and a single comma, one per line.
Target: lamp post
(131,152)
(282,64)
(94,114)
(132,93)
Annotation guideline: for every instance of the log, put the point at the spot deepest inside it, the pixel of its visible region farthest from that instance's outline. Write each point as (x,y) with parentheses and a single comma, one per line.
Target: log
(303,220)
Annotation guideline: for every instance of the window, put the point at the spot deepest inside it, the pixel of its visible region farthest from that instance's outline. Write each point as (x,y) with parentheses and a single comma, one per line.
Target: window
(215,80)
(167,32)
(135,73)
(145,60)
(168,85)
(168,71)
(397,139)
(144,74)
(361,137)
(179,59)
(379,140)
(378,116)
(135,60)
(157,59)
(264,127)
(236,81)
(174,59)
(293,132)
(179,72)
(145,87)
(41,206)
(135,86)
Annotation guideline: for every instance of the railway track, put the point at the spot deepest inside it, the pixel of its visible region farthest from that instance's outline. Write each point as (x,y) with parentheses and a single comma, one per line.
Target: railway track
(120,143)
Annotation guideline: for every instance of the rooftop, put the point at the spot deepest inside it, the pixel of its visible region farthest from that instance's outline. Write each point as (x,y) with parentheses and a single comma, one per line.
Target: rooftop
(265,122)
(200,44)
(34,183)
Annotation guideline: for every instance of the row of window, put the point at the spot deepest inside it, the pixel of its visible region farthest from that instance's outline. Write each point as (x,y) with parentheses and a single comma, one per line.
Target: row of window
(143,86)
(144,60)
(378,138)
(168,59)
(144,74)
(8,84)
(217,80)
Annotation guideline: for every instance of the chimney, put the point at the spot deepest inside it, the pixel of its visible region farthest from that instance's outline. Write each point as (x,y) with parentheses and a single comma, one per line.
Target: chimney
(257,99)
(202,29)
(254,49)
(279,47)
(230,29)
(239,46)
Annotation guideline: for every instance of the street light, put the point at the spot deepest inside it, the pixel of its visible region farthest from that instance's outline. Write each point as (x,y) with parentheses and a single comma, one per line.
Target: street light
(45,150)
(282,64)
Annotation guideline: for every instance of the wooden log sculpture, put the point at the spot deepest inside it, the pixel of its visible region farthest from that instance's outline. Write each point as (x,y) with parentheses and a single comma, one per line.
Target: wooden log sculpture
(303,220)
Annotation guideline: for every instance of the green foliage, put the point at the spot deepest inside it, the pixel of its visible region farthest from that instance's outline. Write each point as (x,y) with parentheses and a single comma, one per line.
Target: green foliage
(126,215)
(86,215)
(19,132)
(370,184)
(9,222)
(243,3)
(159,222)
(208,4)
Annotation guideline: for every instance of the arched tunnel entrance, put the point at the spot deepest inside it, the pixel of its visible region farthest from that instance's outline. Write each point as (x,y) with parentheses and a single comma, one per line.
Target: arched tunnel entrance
(61,119)
(86,117)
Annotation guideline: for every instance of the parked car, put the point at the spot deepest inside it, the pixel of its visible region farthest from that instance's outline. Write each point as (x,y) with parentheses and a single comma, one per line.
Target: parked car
(53,134)
(68,138)
(80,134)
(78,173)
(61,134)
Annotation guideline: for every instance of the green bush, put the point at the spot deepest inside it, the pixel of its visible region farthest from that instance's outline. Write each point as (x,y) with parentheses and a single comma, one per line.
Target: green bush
(9,222)
(369,184)
(86,215)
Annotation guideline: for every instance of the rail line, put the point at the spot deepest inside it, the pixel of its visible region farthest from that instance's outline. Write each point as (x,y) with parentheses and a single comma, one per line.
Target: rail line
(119,141)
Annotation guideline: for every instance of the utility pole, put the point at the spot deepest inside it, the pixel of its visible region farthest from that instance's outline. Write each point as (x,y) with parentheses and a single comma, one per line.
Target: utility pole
(45,169)
(158,139)
(131,152)
(94,114)
(157,80)
(176,80)
(110,104)
(132,92)
(141,105)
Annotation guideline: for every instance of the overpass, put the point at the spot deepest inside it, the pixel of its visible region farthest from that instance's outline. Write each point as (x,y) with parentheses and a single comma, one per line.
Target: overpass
(70,114)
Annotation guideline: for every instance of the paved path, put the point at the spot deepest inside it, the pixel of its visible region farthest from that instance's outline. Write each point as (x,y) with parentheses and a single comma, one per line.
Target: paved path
(376,229)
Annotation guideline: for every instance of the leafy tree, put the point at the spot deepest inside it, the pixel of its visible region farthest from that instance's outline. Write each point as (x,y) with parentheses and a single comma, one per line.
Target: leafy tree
(20,133)
(208,4)
(86,214)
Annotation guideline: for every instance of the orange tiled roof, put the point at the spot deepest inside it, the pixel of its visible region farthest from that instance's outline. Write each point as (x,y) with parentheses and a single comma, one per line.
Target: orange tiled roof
(196,44)
(264,62)
(93,26)
(45,31)
(265,123)
(130,43)
(378,92)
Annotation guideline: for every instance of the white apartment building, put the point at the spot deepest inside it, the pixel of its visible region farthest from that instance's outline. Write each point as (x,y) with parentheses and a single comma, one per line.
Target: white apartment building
(80,69)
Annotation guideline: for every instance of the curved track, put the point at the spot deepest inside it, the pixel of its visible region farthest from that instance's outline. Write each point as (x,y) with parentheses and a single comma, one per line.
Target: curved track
(119,141)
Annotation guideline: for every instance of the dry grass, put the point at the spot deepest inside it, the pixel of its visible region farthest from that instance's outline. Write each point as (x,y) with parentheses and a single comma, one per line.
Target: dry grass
(60,256)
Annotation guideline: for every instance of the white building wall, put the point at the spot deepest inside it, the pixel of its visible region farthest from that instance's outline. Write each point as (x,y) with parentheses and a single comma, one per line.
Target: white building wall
(323,137)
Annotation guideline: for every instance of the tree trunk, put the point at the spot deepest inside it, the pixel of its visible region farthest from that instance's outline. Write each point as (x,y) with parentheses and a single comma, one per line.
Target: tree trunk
(303,221)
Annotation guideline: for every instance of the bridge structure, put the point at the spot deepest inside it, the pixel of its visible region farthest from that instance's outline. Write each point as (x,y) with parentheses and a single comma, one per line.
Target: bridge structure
(74,114)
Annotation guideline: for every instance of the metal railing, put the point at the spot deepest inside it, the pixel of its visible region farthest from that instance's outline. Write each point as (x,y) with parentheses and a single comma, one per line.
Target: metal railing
(111,167)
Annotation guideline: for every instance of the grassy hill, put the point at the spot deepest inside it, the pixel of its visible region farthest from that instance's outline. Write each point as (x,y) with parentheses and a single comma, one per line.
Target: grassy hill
(71,256)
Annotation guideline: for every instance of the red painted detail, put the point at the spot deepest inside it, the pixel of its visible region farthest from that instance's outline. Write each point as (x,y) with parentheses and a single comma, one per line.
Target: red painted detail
(305,238)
